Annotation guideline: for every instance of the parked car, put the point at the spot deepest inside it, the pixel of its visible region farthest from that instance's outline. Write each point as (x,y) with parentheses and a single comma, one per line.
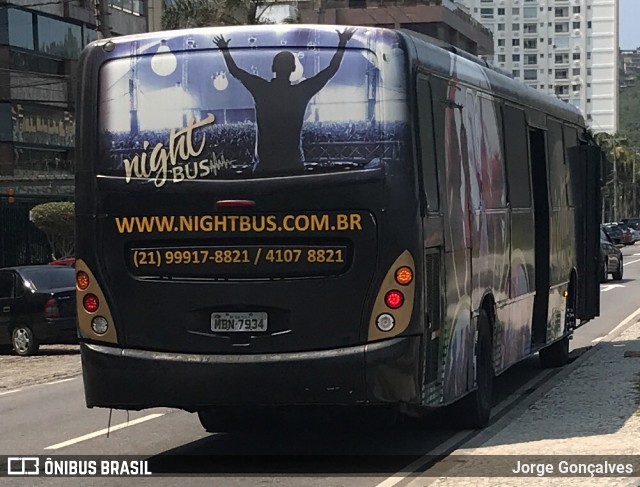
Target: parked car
(614,232)
(64,261)
(627,234)
(634,225)
(610,258)
(37,305)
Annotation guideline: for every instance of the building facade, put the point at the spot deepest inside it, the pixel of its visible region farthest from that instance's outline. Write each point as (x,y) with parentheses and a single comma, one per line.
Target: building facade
(40,43)
(629,67)
(441,19)
(567,48)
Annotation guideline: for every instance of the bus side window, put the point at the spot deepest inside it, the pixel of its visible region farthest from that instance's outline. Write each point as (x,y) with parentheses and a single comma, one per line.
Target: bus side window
(557,167)
(493,187)
(516,151)
(571,146)
(427,143)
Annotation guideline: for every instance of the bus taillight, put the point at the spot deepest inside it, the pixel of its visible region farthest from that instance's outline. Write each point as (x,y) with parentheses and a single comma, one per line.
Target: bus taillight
(82,280)
(394,299)
(385,322)
(99,325)
(404,276)
(91,303)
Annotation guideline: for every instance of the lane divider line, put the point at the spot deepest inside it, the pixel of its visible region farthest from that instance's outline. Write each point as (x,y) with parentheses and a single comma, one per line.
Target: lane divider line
(632,262)
(10,392)
(104,431)
(59,381)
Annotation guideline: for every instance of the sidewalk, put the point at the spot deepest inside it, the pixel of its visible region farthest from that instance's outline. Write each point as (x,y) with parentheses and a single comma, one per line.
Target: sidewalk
(593,410)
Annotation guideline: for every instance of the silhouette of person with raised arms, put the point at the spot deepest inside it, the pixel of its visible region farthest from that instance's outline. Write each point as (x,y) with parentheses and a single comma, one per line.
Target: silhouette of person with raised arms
(280,107)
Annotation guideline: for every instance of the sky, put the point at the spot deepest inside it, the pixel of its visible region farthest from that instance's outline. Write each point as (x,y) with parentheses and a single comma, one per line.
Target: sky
(629,16)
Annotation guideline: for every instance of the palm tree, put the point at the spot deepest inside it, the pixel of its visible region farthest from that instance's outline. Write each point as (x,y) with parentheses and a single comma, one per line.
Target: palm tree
(184,14)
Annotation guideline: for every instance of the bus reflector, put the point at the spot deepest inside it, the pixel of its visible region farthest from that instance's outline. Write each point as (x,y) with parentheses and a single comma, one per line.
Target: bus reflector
(100,325)
(394,299)
(91,303)
(385,322)
(82,280)
(404,276)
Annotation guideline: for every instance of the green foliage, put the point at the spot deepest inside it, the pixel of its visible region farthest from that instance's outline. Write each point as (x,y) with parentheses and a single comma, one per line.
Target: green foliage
(184,14)
(57,221)
(629,105)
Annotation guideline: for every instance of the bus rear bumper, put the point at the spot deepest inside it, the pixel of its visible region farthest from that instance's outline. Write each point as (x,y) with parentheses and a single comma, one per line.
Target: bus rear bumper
(378,373)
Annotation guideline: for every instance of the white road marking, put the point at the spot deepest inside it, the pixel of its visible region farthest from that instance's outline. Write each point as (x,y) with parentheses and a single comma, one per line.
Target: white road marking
(104,431)
(609,287)
(624,322)
(632,262)
(441,449)
(59,381)
(9,392)
(411,468)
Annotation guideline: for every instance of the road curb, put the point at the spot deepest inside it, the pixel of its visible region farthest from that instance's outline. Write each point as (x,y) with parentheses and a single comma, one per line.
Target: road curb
(429,476)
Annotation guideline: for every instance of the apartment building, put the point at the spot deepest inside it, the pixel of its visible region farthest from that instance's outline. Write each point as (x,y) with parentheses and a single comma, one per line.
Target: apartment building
(629,67)
(567,48)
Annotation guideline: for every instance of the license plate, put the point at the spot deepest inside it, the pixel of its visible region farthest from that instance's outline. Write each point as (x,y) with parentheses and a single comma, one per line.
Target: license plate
(238,322)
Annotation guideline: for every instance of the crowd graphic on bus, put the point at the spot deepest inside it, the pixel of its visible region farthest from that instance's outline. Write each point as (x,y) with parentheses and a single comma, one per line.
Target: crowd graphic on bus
(475,182)
(280,106)
(321,142)
(341,109)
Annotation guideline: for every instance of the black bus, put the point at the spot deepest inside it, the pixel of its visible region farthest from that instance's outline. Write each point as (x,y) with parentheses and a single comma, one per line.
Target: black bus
(301,215)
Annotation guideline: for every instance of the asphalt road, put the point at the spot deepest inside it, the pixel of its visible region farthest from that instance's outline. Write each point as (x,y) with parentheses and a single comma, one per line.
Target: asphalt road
(51,419)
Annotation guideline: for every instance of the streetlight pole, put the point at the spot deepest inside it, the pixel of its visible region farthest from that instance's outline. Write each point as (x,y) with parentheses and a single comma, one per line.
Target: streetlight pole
(615,180)
(633,178)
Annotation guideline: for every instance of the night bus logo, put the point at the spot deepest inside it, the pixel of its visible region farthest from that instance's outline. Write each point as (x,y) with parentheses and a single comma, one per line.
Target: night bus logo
(164,160)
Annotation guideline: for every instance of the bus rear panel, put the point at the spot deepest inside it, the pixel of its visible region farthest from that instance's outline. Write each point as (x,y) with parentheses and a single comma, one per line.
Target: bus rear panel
(244,220)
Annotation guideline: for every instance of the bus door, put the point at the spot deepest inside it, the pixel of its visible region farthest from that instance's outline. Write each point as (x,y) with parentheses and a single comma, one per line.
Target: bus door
(431,126)
(539,177)
(585,165)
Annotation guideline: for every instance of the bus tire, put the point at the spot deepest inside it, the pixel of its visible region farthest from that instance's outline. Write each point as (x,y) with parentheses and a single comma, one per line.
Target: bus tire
(475,409)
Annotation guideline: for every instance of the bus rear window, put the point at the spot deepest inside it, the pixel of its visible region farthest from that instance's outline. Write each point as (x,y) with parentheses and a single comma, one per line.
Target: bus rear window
(247,113)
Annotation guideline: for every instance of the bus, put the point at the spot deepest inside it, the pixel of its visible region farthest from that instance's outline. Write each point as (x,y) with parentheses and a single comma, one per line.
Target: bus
(302,216)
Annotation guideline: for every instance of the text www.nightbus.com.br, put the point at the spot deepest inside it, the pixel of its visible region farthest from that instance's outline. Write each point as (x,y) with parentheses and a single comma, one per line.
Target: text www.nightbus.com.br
(340,222)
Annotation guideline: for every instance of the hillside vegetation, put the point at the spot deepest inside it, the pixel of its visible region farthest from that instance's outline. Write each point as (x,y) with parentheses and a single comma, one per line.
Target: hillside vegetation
(630,114)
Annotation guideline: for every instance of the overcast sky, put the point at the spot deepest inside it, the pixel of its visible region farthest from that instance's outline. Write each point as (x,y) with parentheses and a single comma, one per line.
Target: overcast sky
(629,17)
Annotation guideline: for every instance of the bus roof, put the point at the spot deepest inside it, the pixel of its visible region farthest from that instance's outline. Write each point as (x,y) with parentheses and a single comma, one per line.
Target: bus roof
(440,57)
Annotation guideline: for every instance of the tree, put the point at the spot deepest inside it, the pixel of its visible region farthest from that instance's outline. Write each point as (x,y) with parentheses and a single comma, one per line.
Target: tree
(57,221)
(619,193)
(184,14)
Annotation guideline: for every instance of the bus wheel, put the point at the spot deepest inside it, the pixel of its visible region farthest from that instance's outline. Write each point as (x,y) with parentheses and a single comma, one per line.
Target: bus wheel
(475,409)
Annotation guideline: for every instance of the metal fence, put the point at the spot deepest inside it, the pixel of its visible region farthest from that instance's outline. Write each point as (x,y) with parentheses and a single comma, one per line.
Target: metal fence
(21,243)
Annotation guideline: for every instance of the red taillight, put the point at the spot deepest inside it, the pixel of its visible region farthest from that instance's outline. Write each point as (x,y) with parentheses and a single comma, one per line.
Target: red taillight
(394,299)
(51,308)
(91,303)
(82,280)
